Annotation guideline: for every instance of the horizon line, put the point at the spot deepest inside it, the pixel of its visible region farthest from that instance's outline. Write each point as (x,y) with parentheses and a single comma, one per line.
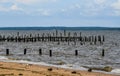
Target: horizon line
(59,26)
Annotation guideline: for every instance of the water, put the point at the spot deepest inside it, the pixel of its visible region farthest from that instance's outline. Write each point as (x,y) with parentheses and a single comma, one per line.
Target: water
(89,55)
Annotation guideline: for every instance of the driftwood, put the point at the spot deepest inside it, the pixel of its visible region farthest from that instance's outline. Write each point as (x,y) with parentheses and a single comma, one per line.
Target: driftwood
(106,68)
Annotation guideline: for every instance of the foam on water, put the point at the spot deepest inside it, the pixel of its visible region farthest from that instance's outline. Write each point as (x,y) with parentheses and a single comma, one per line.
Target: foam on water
(117,71)
(67,66)
(3,58)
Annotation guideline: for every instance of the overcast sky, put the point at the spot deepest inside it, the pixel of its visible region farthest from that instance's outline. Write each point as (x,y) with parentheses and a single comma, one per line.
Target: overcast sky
(59,13)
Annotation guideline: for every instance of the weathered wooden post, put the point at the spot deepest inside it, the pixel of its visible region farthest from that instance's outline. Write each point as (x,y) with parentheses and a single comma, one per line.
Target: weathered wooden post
(27,39)
(99,39)
(92,38)
(50,53)
(80,34)
(56,32)
(40,51)
(89,39)
(30,37)
(0,38)
(48,37)
(25,51)
(8,39)
(35,38)
(53,34)
(103,53)
(38,37)
(64,33)
(24,38)
(43,37)
(18,34)
(60,38)
(68,38)
(7,51)
(103,38)
(85,39)
(75,36)
(76,52)
(16,39)
(95,40)
(3,38)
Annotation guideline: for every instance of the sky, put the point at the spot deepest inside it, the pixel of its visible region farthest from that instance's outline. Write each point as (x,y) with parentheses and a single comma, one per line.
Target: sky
(82,13)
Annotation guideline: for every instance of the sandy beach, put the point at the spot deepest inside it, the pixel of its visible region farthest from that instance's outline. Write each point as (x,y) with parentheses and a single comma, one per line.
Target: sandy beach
(20,69)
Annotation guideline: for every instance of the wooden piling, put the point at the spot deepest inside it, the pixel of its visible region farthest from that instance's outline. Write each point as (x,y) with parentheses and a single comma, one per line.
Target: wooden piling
(7,51)
(80,34)
(56,37)
(42,37)
(103,38)
(56,32)
(18,34)
(25,51)
(95,40)
(76,52)
(65,33)
(38,37)
(50,53)
(103,53)
(40,51)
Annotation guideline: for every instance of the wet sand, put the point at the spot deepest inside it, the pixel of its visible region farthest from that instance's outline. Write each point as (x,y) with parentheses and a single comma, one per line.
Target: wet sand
(20,69)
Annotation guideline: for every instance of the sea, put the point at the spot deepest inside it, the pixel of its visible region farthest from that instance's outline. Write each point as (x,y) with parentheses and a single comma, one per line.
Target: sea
(63,53)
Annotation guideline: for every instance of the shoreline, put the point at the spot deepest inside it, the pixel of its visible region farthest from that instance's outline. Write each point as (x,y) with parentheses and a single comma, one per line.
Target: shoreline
(25,69)
(114,71)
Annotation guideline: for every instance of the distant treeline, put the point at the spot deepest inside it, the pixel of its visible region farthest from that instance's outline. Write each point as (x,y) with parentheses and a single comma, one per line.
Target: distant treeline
(59,28)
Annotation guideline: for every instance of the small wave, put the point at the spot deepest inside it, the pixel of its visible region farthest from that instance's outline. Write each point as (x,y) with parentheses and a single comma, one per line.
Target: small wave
(67,66)
(117,71)
(3,58)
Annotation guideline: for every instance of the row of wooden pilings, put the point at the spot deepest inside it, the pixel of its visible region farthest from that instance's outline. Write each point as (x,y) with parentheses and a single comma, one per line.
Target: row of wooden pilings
(52,38)
(66,39)
(92,40)
(50,52)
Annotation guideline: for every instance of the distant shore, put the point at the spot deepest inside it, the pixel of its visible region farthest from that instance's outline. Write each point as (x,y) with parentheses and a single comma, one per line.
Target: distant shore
(60,28)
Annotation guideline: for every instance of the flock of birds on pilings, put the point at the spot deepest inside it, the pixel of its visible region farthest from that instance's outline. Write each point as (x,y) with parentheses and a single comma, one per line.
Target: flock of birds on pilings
(54,37)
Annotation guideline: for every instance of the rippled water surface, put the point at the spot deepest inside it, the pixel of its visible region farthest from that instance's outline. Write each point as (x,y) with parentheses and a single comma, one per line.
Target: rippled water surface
(64,53)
